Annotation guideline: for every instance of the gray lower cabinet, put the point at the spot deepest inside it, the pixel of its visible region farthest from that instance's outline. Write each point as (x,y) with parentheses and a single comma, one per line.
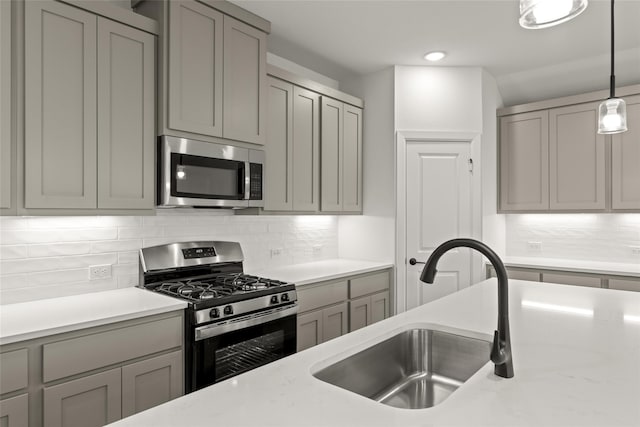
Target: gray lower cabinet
(14,411)
(322,325)
(151,382)
(91,401)
(367,310)
(309,331)
(89,111)
(341,157)
(335,321)
(625,284)
(6,145)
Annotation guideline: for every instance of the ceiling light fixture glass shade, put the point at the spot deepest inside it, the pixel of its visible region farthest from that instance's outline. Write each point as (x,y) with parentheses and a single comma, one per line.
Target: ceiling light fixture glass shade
(612,113)
(536,14)
(435,56)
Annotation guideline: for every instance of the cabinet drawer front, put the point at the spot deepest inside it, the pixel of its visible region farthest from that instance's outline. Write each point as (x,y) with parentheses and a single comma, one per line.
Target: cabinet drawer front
(569,279)
(82,354)
(312,297)
(625,284)
(369,284)
(13,375)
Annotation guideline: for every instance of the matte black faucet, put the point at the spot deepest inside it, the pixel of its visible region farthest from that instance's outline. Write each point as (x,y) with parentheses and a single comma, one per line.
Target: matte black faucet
(501,348)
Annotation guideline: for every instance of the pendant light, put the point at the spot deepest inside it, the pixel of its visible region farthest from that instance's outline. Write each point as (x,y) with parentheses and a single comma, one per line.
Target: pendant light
(536,14)
(612,115)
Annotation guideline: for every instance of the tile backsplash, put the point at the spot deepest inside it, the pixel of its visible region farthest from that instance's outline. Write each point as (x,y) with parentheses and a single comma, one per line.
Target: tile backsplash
(587,237)
(45,257)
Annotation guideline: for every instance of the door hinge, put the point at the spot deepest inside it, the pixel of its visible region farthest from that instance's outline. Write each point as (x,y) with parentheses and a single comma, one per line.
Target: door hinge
(470,165)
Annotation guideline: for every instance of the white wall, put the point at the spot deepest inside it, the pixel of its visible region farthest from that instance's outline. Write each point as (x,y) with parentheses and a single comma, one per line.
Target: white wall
(371,236)
(588,237)
(438,98)
(493,225)
(45,257)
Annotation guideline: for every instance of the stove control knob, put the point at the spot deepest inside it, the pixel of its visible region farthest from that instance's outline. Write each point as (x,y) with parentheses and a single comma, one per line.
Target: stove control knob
(284,297)
(228,310)
(214,313)
(274,299)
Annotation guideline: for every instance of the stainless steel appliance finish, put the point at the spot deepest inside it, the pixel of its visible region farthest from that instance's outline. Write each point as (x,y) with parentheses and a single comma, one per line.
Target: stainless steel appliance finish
(234,321)
(237,184)
(416,369)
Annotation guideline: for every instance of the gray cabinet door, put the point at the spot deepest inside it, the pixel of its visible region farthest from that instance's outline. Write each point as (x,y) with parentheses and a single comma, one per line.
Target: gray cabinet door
(331,155)
(576,159)
(151,382)
(60,106)
(310,331)
(278,151)
(335,321)
(305,164)
(5,105)
(625,160)
(625,284)
(126,60)
(245,82)
(14,412)
(195,68)
(379,306)
(352,163)
(86,402)
(524,162)
(359,313)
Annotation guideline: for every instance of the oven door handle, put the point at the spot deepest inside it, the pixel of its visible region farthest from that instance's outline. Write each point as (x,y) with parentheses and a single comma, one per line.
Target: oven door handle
(214,330)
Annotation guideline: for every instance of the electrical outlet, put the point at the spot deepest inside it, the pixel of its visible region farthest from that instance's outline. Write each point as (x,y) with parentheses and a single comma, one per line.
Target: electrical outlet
(317,249)
(275,252)
(635,250)
(534,246)
(100,272)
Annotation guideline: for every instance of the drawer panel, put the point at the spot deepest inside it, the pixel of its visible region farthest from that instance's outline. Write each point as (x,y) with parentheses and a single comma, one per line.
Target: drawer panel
(73,356)
(315,296)
(570,279)
(625,284)
(13,375)
(369,284)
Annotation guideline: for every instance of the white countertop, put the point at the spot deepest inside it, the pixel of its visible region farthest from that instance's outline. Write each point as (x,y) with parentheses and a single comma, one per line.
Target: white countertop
(318,271)
(28,320)
(576,353)
(608,268)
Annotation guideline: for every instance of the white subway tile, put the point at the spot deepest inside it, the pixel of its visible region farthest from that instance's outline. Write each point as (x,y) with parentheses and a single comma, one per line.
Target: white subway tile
(116,246)
(48,278)
(44,235)
(59,249)
(127,257)
(14,281)
(13,251)
(139,232)
(33,265)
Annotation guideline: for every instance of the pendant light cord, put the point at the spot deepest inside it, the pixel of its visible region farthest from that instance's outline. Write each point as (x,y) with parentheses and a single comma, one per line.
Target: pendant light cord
(612,80)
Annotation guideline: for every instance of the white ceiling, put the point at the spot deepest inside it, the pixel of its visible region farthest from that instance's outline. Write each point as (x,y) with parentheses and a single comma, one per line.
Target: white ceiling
(364,36)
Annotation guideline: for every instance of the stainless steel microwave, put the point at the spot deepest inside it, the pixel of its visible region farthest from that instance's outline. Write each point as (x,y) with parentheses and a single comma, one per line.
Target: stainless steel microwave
(205,174)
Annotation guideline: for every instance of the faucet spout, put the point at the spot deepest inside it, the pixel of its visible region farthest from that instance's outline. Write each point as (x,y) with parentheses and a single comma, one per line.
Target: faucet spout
(501,349)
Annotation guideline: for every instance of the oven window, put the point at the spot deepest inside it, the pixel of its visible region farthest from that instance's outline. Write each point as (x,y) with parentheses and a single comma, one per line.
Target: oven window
(246,355)
(202,177)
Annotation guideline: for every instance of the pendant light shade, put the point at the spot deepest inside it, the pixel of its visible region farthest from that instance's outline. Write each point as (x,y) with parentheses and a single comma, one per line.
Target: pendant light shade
(547,13)
(612,113)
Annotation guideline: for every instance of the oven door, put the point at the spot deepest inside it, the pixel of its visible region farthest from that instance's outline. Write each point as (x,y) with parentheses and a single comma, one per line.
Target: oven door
(224,350)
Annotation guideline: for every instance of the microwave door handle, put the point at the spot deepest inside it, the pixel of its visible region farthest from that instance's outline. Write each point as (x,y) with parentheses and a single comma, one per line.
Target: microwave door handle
(247,180)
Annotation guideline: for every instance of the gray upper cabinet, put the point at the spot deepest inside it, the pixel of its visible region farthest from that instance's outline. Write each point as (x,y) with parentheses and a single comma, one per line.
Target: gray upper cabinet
(126,112)
(60,106)
(213,77)
(195,68)
(292,149)
(524,161)
(352,163)
(576,159)
(89,111)
(245,86)
(5,106)
(625,161)
(331,155)
(552,158)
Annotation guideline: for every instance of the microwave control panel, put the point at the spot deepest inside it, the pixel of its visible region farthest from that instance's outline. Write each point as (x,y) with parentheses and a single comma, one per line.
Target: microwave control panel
(255,189)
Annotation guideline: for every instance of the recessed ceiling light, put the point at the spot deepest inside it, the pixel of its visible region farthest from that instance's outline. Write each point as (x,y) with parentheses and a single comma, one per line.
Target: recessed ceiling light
(434,56)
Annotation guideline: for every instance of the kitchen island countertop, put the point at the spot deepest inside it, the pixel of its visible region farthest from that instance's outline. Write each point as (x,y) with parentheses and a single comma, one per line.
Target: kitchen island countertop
(319,271)
(575,350)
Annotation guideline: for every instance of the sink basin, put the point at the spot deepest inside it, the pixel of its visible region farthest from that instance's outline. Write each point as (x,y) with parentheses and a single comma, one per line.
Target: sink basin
(414,369)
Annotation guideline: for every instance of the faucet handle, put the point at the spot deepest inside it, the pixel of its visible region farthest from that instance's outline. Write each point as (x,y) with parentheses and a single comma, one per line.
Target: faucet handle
(498,355)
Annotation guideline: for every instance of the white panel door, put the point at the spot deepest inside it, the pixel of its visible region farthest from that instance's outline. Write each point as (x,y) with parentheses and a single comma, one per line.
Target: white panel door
(439,208)
(5,104)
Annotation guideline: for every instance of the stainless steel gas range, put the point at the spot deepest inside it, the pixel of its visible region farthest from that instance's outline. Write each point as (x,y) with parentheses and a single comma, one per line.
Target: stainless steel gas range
(234,322)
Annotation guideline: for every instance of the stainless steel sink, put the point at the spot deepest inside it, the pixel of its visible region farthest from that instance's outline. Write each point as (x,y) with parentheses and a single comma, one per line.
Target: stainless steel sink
(415,369)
